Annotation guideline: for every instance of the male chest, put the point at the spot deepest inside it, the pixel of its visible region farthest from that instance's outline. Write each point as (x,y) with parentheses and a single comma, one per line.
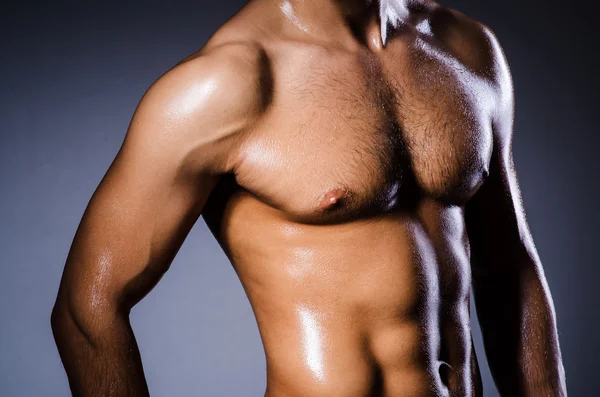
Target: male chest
(373,132)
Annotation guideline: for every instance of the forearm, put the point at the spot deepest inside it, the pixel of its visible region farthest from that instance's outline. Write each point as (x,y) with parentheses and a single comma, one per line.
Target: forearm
(519,331)
(102,360)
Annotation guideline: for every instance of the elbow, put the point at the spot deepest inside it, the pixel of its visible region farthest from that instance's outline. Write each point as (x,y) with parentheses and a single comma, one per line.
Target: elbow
(80,320)
(64,331)
(64,324)
(59,315)
(61,319)
(56,318)
(513,264)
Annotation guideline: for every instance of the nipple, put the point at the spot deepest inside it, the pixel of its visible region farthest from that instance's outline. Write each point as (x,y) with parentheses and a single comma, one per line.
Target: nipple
(332,198)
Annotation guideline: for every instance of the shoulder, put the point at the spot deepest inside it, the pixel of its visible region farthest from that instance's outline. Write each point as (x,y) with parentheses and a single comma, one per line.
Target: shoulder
(472,42)
(210,97)
(230,76)
(477,47)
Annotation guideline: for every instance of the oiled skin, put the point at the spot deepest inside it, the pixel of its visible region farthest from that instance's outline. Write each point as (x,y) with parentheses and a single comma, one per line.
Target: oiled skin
(359,189)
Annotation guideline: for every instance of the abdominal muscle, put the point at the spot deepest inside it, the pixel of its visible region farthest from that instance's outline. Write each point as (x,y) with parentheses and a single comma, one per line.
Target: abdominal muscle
(363,308)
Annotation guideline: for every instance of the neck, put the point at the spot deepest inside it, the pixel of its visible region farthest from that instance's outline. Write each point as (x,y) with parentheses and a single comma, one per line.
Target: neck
(367,19)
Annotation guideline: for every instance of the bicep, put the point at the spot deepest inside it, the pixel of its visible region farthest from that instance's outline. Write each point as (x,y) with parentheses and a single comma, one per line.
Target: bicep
(145,205)
(132,228)
(495,216)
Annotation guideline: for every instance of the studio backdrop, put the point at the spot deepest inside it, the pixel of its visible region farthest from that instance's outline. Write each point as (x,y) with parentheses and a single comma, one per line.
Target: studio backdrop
(71,76)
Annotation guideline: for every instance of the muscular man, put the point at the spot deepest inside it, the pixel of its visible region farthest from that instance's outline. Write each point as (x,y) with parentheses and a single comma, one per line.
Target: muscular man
(353,159)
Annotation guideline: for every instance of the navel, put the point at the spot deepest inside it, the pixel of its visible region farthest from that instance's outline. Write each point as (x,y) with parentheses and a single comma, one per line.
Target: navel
(333,198)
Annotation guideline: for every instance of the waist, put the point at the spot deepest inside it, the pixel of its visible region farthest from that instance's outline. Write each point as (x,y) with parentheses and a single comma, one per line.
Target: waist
(328,353)
(362,321)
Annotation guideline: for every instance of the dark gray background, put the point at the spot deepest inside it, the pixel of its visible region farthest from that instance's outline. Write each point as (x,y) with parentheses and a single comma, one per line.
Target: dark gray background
(71,76)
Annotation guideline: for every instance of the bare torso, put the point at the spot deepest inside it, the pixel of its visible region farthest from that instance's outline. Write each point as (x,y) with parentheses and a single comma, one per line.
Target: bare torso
(344,216)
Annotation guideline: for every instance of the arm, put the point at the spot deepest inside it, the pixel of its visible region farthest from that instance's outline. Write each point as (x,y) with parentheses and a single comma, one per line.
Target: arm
(511,294)
(179,142)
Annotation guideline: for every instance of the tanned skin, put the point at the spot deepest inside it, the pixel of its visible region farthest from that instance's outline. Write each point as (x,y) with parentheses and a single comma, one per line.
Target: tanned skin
(353,159)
